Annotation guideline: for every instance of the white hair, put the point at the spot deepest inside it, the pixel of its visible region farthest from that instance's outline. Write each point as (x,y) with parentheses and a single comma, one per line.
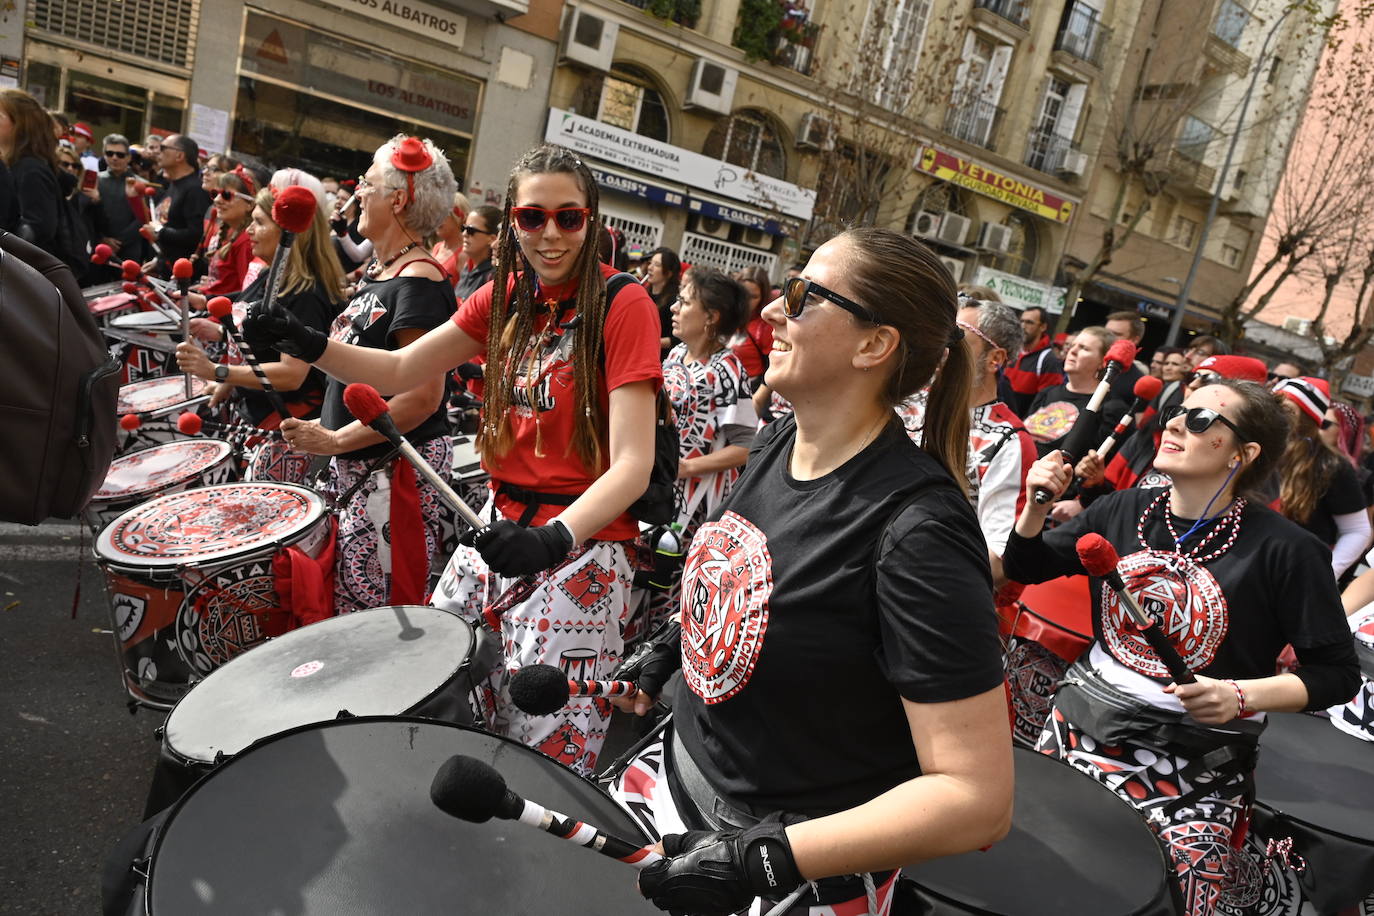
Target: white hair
(434,186)
(287,178)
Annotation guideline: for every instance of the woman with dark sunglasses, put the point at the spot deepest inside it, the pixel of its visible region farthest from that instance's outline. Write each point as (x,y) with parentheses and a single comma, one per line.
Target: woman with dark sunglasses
(474,256)
(1231,583)
(846,554)
(229,249)
(567,434)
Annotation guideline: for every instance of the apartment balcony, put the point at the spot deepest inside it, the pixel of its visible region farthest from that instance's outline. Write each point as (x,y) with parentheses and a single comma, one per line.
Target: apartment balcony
(975,121)
(1048,152)
(1017,12)
(793,55)
(1082,36)
(1189,173)
(684,12)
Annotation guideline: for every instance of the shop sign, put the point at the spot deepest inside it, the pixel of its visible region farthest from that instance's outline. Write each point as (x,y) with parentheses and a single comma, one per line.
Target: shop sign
(424,19)
(1358,385)
(1154,310)
(1020,293)
(737,216)
(316,62)
(673,163)
(610,181)
(991,183)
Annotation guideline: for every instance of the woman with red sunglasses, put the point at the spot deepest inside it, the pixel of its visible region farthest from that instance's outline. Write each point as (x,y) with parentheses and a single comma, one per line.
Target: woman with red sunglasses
(1231,583)
(230,250)
(567,434)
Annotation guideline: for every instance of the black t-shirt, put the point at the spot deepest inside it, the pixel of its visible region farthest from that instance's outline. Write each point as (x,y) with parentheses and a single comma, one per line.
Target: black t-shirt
(1055,410)
(371,319)
(1343,496)
(315,310)
(797,655)
(180,234)
(1229,617)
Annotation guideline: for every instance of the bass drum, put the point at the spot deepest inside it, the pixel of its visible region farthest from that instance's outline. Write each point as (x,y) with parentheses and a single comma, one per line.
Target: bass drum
(385,661)
(1051,628)
(335,818)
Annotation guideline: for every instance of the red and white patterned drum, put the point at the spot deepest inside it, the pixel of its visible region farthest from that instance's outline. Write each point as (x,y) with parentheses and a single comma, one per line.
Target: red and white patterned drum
(191,582)
(154,323)
(157,402)
(272,459)
(167,468)
(1052,627)
(105,308)
(144,343)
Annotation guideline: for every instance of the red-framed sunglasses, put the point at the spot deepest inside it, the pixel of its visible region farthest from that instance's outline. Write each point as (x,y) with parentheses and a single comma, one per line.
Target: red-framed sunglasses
(534,219)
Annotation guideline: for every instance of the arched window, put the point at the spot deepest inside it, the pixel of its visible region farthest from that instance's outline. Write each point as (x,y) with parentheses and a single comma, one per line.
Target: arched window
(626,98)
(1024,249)
(941,197)
(748,139)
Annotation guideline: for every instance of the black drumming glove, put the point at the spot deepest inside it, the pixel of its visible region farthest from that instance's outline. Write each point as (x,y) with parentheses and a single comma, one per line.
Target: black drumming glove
(511,550)
(721,872)
(284,332)
(471,371)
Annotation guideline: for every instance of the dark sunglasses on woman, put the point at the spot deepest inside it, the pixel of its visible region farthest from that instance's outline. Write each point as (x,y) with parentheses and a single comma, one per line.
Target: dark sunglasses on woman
(797,290)
(534,219)
(1198,420)
(473,230)
(227,195)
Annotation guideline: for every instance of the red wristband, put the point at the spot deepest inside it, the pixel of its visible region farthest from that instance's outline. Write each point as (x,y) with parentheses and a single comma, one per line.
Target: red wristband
(1240,697)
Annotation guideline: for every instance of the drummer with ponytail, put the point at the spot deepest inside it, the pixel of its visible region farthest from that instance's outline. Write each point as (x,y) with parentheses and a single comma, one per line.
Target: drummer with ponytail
(846,553)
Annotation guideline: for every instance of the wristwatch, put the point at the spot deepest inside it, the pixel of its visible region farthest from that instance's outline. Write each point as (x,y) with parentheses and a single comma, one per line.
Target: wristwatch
(221,373)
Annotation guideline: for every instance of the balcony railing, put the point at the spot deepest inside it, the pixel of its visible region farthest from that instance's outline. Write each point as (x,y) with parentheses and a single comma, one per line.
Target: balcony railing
(1046,150)
(974,121)
(683,12)
(792,55)
(1082,34)
(1014,11)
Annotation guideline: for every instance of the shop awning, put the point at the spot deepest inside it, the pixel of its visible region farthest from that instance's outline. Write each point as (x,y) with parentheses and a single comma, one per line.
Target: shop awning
(636,186)
(732,212)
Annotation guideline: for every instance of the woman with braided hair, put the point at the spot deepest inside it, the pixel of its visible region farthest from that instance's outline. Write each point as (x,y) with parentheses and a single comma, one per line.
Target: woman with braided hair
(567,434)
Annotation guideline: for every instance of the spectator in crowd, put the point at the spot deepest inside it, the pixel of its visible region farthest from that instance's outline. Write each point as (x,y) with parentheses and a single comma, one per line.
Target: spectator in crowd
(29,150)
(479,238)
(82,137)
(1127,325)
(755,339)
(662,278)
(121,220)
(1157,362)
(61,125)
(1203,346)
(1283,370)
(1036,368)
(230,252)
(89,222)
(1055,410)
(183,228)
(449,237)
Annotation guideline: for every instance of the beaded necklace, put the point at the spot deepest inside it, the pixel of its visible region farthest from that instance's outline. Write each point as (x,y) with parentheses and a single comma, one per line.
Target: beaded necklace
(374,269)
(1228,522)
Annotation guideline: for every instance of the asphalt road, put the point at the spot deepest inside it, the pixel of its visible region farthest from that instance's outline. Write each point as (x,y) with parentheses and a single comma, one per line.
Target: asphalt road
(74,764)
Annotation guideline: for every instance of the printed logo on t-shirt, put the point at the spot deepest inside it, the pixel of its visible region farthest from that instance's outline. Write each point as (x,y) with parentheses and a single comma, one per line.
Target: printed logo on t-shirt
(1053,421)
(725,590)
(1154,480)
(361,313)
(553,366)
(1182,595)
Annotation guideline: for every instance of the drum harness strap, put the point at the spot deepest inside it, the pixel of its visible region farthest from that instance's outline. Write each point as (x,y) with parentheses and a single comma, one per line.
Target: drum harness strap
(1219,757)
(1365,654)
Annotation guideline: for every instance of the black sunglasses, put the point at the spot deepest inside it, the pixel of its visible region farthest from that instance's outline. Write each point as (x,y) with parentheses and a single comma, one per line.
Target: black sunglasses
(796,290)
(115,154)
(473,230)
(1198,420)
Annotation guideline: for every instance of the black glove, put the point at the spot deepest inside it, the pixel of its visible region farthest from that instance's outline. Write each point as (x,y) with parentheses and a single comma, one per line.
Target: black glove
(511,550)
(284,332)
(721,872)
(470,371)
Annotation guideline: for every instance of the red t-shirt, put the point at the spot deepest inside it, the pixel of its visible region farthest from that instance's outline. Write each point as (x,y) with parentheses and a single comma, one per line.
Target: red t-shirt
(753,349)
(631,355)
(228,275)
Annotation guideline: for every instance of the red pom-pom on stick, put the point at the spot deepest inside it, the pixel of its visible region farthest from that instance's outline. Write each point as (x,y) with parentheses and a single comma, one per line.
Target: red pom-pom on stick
(1147,387)
(219,307)
(131,270)
(130,421)
(1121,352)
(130,287)
(149,190)
(294,209)
(190,424)
(364,402)
(182,269)
(1097,554)
(102,254)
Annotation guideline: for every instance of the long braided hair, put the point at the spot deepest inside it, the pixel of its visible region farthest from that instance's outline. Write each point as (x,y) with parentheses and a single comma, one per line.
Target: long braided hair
(514,312)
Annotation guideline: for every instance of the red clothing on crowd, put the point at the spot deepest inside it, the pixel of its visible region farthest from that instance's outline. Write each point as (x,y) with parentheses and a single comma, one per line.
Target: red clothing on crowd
(753,350)
(229,274)
(630,355)
(1036,369)
(448,265)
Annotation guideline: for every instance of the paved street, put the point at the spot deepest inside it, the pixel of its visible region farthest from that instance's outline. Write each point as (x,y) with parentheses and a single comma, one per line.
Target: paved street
(74,764)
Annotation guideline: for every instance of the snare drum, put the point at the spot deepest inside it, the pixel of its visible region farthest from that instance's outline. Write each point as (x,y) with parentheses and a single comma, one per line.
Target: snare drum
(1312,785)
(157,402)
(106,307)
(1051,629)
(1055,859)
(190,578)
(386,661)
(144,343)
(272,459)
(336,818)
(161,469)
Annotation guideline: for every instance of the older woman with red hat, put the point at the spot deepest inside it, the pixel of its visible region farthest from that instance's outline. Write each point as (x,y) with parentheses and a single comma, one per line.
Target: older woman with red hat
(391,525)
(1317,488)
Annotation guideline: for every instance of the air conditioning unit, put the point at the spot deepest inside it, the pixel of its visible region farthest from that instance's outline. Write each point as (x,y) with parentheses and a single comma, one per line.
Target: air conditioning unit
(1298,325)
(589,40)
(712,87)
(955,267)
(926,224)
(715,228)
(994,237)
(815,132)
(953,229)
(756,238)
(1075,164)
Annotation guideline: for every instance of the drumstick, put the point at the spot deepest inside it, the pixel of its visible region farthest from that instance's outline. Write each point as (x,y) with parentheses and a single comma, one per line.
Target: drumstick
(1099,558)
(367,405)
(133,273)
(183,270)
(542,690)
(221,309)
(470,790)
(1076,444)
(293,210)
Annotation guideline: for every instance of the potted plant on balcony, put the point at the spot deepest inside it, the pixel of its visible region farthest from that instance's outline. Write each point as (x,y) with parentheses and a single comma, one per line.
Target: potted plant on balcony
(683,12)
(757,28)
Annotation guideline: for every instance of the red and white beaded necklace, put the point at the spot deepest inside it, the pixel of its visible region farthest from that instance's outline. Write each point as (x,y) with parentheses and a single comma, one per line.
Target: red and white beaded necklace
(1228,522)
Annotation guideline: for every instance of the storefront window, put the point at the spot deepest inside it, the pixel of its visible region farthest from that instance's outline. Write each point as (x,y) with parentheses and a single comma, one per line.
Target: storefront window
(625,98)
(748,140)
(43,82)
(109,107)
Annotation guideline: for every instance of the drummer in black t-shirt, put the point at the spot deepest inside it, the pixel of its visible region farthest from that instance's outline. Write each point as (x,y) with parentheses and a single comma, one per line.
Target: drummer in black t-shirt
(1231,583)
(844,713)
